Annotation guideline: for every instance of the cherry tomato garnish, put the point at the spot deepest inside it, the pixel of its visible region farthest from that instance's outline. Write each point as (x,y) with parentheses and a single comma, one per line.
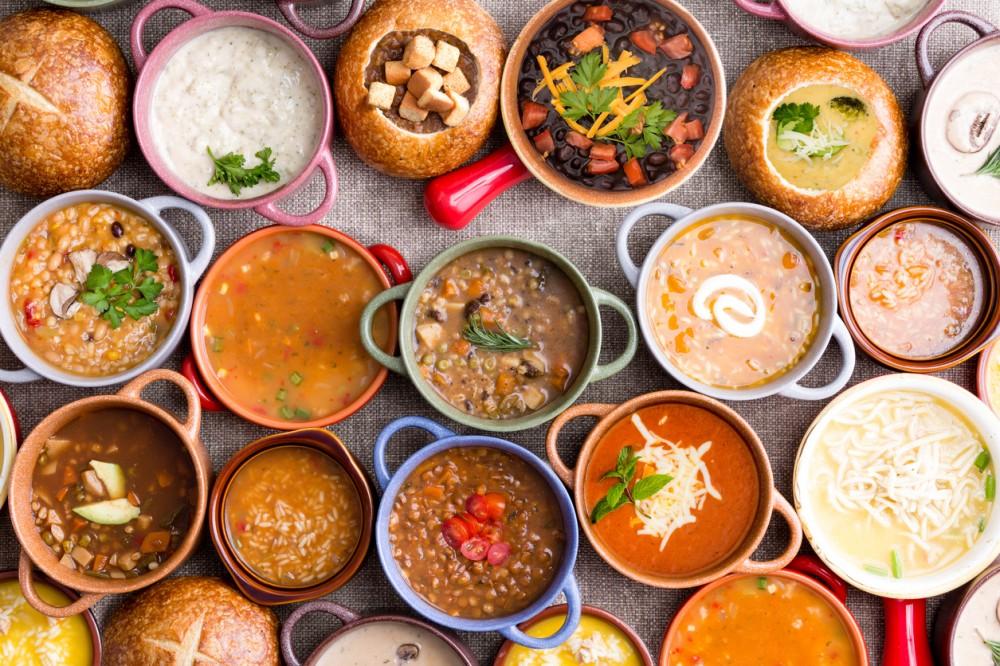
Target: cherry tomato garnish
(496,504)
(455,531)
(475,525)
(498,553)
(492,531)
(476,549)
(476,505)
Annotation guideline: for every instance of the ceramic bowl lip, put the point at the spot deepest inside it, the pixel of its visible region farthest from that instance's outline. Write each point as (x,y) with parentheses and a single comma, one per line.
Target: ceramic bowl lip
(199,313)
(928,95)
(762,466)
(857,636)
(592,611)
(989,326)
(916,23)
(145,87)
(414,600)
(982,376)
(963,597)
(12,243)
(249,583)
(88,615)
(547,412)
(20,492)
(969,565)
(824,273)
(560,184)
(8,445)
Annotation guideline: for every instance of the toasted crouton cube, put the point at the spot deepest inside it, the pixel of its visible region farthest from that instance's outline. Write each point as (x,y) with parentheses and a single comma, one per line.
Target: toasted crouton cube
(446,56)
(419,52)
(396,73)
(456,81)
(423,80)
(435,100)
(381,94)
(410,111)
(457,115)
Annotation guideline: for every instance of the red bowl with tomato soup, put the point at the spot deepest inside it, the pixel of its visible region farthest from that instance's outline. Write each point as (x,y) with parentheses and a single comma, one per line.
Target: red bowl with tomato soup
(275,332)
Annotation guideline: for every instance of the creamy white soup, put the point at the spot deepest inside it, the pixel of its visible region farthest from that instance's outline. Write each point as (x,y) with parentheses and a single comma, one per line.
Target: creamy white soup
(976,623)
(389,644)
(962,130)
(236,91)
(856,19)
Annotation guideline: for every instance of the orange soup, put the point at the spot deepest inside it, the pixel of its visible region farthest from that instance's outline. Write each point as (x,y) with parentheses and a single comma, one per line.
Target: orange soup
(761,621)
(282,325)
(696,519)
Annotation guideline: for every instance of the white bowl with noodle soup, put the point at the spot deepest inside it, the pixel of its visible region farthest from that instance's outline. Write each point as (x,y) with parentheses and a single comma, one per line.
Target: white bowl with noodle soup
(895,484)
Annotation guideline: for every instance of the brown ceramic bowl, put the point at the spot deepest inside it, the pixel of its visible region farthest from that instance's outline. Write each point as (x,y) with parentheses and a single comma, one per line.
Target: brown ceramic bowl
(770,499)
(249,583)
(986,329)
(88,616)
(990,355)
(35,552)
(593,611)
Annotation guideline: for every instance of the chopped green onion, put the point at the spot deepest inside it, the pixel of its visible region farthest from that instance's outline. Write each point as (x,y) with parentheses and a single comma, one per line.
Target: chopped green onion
(762,583)
(897,565)
(982,460)
(982,525)
(286,412)
(217,344)
(327,246)
(281,395)
(878,571)
(991,487)
(295,378)
(302,414)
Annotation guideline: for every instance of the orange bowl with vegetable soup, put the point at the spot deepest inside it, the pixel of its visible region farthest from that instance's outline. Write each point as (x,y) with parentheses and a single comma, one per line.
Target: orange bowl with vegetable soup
(274,333)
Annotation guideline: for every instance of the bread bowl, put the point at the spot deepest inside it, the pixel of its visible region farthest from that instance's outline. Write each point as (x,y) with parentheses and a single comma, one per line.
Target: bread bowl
(410,139)
(63,91)
(191,619)
(845,159)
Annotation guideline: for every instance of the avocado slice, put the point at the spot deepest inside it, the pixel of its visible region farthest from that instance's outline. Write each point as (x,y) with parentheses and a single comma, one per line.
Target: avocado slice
(112,476)
(108,512)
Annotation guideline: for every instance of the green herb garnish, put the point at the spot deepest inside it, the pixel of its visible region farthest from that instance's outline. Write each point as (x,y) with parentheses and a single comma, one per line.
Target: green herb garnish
(991,487)
(850,107)
(982,525)
(589,99)
(327,246)
(295,378)
(798,132)
(497,339)
(286,412)
(994,647)
(896,564)
(217,344)
(620,494)
(229,170)
(642,129)
(302,414)
(797,117)
(761,583)
(126,292)
(992,165)
(982,460)
(281,395)
(878,571)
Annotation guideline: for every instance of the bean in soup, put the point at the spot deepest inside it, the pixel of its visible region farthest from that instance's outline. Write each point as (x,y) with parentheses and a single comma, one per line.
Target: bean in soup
(113,493)
(501,333)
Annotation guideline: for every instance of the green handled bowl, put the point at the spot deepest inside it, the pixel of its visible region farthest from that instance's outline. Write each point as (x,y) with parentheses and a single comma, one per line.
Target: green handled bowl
(406,363)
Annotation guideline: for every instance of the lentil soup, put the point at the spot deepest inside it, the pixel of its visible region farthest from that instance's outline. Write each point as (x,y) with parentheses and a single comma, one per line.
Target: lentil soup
(501,333)
(477,532)
(94,289)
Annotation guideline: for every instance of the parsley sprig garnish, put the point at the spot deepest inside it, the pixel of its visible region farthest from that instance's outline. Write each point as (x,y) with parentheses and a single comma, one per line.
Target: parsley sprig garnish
(992,165)
(643,129)
(126,292)
(621,494)
(498,339)
(798,132)
(230,170)
(589,99)
(796,117)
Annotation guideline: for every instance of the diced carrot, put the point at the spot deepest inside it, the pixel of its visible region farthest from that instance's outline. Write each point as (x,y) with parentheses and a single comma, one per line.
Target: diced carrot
(164,478)
(634,172)
(677,129)
(578,140)
(133,499)
(487,316)
(589,39)
(596,167)
(695,130)
(99,562)
(475,288)
(644,39)
(450,289)
(505,384)
(61,495)
(155,542)
(434,492)
(544,142)
(69,475)
(603,151)
(461,346)
(533,115)
(597,13)
(690,76)
(681,153)
(677,47)
(78,524)
(558,377)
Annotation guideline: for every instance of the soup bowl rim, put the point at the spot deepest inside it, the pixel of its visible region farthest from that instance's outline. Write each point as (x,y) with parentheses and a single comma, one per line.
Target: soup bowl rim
(10,436)
(983,376)
(948,613)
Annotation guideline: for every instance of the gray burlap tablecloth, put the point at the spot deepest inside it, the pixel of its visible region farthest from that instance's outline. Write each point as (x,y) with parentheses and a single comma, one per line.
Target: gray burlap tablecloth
(376,209)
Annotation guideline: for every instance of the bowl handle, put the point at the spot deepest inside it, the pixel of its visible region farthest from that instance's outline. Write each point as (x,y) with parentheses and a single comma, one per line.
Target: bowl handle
(614,367)
(906,641)
(768,10)
(397,293)
(452,200)
(26,580)
(200,262)
(813,567)
(288,9)
(982,28)
(135,387)
(393,261)
(139,54)
(326,166)
(573,612)
(345,615)
(781,505)
(382,473)
(20,376)
(673,211)
(205,397)
(846,344)
(562,470)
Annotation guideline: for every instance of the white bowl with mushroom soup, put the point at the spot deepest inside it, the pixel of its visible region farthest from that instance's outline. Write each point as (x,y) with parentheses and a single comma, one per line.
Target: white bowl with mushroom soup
(958,120)
(232,110)
(895,483)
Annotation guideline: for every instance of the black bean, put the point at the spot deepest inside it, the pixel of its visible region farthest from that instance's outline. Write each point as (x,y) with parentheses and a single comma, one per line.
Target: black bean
(656,159)
(130,250)
(116,229)
(565,153)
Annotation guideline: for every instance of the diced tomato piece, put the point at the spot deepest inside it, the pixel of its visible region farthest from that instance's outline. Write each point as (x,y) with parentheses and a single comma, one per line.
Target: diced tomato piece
(545,143)
(578,140)
(690,76)
(172,273)
(596,167)
(681,153)
(603,151)
(694,129)
(496,504)
(634,172)
(677,47)
(455,531)
(477,506)
(475,525)
(533,115)
(498,553)
(589,39)
(31,315)
(597,13)
(677,130)
(475,549)
(492,531)
(644,39)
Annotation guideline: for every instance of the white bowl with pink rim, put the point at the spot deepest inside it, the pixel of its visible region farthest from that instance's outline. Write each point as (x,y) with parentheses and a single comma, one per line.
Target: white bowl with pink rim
(169,160)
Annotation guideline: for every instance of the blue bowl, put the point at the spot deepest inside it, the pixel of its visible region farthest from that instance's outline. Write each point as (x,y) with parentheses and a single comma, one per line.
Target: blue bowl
(564,580)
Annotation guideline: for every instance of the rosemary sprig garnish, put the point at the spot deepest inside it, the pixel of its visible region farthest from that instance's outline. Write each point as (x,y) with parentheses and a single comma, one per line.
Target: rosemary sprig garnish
(994,647)
(992,165)
(498,339)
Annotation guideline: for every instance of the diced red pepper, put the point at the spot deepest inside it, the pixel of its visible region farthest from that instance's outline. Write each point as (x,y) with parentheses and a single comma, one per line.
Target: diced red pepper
(597,13)
(634,172)
(172,273)
(597,167)
(690,76)
(545,143)
(533,115)
(32,317)
(589,39)
(578,140)
(681,153)
(645,40)
(695,130)
(677,47)
(677,130)
(603,151)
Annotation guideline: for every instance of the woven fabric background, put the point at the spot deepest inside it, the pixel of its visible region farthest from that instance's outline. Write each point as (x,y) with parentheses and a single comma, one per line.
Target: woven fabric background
(376,209)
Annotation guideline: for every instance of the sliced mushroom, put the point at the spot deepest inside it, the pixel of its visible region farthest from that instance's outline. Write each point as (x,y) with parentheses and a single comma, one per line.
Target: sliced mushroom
(82,261)
(113,261)
(407,652)
(62,300)
(972,121)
